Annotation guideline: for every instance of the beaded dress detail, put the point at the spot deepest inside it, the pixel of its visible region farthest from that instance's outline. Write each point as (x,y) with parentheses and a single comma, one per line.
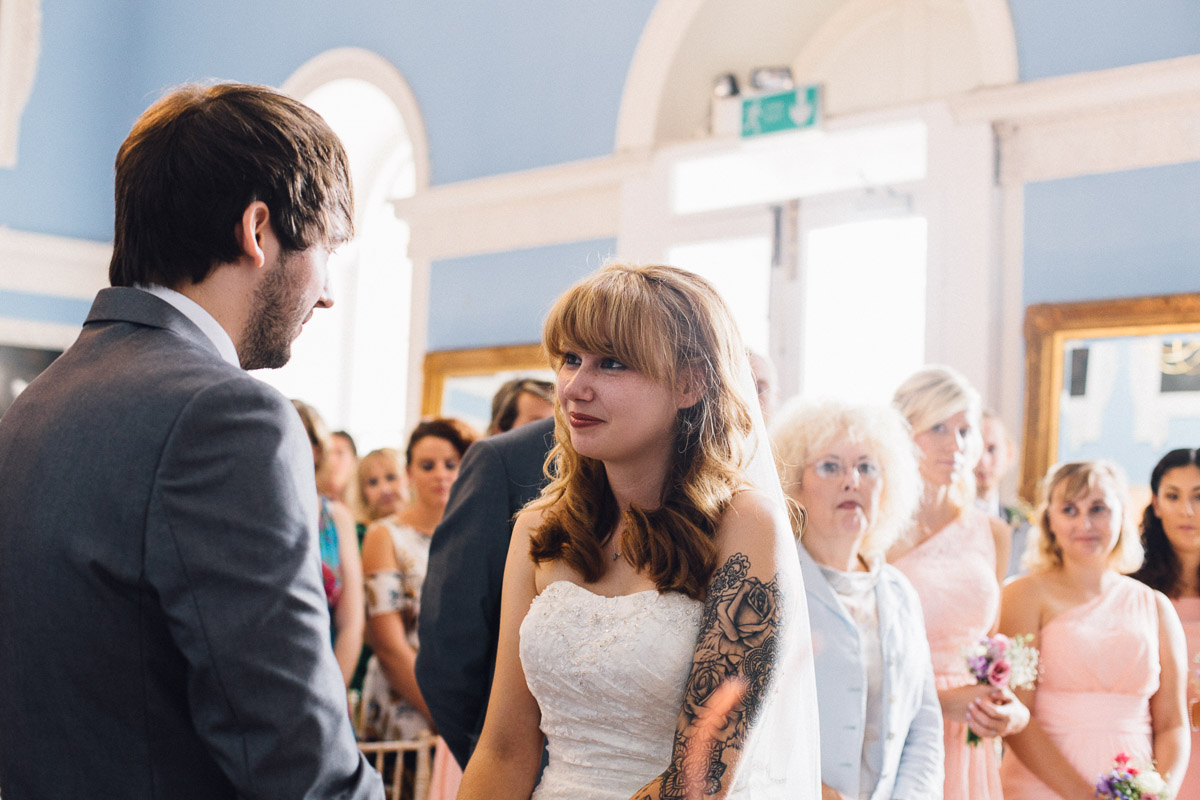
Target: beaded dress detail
(608,674)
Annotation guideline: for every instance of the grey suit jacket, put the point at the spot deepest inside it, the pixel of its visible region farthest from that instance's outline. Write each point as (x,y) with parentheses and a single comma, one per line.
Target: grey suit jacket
(460,602)
(163,627)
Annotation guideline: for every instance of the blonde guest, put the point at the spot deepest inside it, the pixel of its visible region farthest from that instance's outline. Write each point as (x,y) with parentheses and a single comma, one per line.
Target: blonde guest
(1112,649)
(956,557)
(381,485)
(854,471)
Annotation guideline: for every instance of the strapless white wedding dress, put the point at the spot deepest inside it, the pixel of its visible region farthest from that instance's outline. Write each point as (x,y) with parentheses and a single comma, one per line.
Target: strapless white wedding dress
(608,674)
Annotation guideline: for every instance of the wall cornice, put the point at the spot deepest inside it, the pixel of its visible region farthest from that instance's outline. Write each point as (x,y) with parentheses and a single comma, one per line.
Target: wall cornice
(570,202)
(1133,117)
(52,265)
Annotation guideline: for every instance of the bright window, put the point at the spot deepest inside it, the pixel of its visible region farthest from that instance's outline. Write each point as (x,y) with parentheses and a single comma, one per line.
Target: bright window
(740,270)
(864,307)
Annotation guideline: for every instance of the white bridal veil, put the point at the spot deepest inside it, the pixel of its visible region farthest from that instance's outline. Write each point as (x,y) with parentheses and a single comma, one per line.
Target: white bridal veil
(782,758)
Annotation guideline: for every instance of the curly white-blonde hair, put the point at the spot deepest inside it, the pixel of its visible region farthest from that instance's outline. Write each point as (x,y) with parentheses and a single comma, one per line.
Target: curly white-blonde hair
(805,430)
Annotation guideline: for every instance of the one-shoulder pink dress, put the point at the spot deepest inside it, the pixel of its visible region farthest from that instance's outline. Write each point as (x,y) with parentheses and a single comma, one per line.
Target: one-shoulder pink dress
(1188,609)
(954,572)
(1099,668)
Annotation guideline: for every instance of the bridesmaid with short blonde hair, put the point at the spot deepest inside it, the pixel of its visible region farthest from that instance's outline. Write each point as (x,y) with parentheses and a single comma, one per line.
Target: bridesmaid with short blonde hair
(1113,662)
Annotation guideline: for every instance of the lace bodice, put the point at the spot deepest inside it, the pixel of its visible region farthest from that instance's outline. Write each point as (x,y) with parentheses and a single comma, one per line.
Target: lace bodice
(608,674)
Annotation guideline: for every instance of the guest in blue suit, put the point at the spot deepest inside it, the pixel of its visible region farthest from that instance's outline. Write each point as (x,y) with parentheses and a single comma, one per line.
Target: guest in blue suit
(853,471)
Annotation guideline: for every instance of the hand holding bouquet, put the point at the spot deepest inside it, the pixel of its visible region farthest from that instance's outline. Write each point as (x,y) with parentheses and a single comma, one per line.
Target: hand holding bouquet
(1003,663)
(1127,782)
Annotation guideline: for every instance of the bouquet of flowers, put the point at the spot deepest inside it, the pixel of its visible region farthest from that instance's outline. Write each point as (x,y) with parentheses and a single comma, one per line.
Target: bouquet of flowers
(1126,782)
(1002,662)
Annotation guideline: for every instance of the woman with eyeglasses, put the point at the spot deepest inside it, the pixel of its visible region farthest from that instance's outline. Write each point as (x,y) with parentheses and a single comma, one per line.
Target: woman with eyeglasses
(852,470)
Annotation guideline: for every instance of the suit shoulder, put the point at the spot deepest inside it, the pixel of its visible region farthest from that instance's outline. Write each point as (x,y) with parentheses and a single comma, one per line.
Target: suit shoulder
(523,444)
(237,406)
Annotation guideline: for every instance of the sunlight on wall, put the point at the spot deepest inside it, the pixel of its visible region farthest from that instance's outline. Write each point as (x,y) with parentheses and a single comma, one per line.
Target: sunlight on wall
(351,362)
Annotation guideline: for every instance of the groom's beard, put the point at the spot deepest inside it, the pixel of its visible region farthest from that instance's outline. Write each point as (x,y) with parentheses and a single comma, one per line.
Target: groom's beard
(276,318)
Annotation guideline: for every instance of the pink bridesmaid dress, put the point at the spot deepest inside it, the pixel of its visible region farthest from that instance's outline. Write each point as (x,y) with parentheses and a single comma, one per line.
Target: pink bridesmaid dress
(954,572)
(1188,609)
(1099,668)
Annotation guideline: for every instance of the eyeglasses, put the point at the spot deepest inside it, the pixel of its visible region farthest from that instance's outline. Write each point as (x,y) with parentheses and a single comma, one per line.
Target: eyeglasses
(828,468)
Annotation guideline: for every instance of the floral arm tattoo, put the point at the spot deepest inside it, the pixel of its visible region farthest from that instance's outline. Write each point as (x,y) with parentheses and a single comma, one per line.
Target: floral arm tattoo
(738,648)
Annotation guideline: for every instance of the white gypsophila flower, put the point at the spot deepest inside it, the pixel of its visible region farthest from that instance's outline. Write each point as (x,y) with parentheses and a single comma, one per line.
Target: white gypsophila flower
(975,650)
(1148,781)
(1024,662)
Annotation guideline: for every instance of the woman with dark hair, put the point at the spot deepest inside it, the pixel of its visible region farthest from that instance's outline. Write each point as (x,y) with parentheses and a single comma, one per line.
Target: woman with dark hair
(1171,536)
(653,626)
(519,402)
(395,554)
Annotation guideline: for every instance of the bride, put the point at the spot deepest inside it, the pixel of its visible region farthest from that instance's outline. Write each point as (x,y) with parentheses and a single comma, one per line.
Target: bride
(653,623)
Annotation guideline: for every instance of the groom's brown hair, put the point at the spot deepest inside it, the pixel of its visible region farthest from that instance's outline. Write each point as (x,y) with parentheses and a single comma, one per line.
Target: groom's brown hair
(198,157)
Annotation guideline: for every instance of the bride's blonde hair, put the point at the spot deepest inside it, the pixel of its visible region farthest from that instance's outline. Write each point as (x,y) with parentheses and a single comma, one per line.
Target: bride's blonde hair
(672,326)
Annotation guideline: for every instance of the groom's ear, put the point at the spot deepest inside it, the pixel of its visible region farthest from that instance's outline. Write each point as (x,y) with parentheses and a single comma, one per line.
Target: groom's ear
(689,388)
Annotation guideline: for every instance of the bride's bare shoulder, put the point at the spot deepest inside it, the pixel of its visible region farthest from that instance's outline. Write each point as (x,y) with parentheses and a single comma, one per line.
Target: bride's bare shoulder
(752,518)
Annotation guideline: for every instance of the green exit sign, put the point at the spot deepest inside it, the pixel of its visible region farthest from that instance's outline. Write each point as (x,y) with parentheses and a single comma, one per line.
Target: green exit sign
(785,111)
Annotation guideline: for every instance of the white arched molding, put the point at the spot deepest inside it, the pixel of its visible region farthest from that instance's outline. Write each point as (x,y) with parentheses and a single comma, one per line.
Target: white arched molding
(20,45)
(996,39)
(360,64)
(879,53)
(352,63)
(675,25)
(663,37)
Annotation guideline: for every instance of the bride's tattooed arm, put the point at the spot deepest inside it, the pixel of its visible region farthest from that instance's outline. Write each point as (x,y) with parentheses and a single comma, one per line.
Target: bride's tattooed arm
(732,669)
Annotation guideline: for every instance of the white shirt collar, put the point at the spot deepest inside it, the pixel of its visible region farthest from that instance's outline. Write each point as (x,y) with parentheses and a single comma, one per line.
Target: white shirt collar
(203,320)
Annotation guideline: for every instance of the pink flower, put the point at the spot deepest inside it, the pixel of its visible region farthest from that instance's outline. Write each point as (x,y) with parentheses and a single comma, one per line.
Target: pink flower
(998,646)
(998,673)
(1122,759)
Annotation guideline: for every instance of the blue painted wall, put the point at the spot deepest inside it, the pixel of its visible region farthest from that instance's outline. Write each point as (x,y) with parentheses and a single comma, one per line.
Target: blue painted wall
(1120,234)
(516,84)
(503,86)
(502,298)
(43,308)
(80,110)
(1060,37)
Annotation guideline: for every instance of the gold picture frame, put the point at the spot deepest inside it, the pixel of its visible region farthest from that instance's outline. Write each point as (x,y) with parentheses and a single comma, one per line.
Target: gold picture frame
(443,365)
(1048,326)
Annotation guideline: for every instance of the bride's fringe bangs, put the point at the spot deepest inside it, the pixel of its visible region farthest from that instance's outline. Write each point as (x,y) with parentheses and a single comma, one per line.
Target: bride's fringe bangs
(666,323)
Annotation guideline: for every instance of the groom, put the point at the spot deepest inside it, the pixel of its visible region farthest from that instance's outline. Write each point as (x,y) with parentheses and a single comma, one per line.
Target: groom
(460,603)
(163,626)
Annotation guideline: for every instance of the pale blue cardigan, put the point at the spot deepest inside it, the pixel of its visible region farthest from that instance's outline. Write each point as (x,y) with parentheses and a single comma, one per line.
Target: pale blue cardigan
(909,758)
